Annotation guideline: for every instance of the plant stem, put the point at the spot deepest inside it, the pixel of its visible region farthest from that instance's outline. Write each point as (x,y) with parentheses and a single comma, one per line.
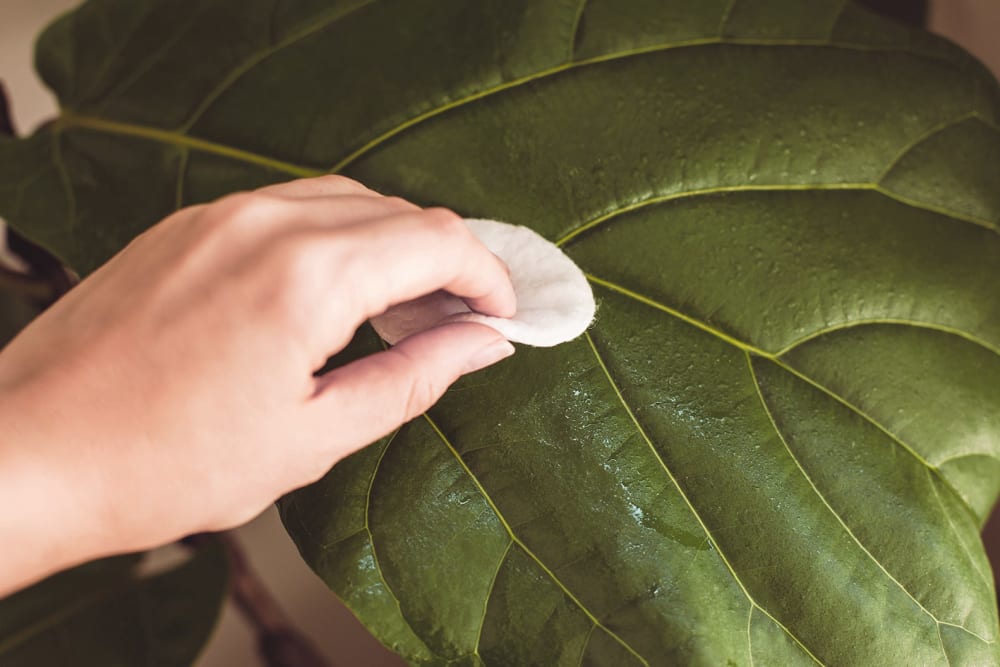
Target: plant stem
(42,266)
(25,285)
(47,278)
(279,643)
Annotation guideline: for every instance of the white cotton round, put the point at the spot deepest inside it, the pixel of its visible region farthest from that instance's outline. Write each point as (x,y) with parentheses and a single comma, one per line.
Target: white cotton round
(555,303)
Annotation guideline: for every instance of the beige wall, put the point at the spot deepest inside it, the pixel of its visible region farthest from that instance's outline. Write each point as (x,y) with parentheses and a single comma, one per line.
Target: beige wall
(975,23)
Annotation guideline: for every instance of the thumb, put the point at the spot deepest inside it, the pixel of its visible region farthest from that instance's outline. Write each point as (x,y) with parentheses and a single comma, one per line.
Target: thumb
(368,398)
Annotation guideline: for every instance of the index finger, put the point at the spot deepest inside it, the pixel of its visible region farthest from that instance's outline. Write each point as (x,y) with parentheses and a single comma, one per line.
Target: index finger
(428,251)
(373,265)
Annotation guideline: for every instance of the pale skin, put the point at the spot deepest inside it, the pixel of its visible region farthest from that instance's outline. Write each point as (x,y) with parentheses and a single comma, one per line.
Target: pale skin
(172,391)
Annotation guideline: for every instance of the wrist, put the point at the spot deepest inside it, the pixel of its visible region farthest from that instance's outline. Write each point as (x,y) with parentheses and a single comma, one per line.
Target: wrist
(50,497)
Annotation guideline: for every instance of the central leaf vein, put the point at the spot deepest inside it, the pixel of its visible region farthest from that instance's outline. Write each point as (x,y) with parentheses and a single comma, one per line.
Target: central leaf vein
(751,349)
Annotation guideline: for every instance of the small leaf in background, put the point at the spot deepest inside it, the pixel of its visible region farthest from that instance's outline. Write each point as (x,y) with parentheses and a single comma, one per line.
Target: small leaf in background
(108,614)
(780,438)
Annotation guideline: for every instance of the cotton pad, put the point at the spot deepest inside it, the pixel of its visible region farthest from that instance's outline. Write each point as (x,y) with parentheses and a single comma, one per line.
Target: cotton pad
(554,301)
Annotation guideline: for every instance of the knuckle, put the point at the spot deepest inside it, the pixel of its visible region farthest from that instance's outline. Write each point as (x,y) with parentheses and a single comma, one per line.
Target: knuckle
(445,223)
(293,279)
(244,209)
(338,182)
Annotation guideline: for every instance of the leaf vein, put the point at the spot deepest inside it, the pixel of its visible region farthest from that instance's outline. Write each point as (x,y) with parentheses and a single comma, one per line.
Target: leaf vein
(746,347)
(966,455)
(822,497)
(489,592)
(524,547)
(371,537)
(843,326)
(615,213)
(687,501)
(927,136)
(987,580)
(323,21)
(586,643)
(69,120)
(150,59)
(120,43)
(610,57)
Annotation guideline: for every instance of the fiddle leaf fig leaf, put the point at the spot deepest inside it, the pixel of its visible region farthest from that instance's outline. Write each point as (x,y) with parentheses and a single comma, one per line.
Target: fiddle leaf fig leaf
(781,436)
(110,613)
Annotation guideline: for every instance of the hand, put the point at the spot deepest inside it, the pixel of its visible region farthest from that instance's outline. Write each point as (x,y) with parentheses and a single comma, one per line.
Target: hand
(172,391)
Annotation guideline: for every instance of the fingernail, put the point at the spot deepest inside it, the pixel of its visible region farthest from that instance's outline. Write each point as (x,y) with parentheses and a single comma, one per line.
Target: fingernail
(489,355)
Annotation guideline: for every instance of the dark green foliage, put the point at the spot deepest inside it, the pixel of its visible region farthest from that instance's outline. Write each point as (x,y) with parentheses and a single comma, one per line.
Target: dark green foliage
(108,614)
(778,441)
(908,11)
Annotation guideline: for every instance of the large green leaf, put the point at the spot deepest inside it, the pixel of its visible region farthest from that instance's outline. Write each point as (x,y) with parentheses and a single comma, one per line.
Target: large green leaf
(109,614)
(778,441)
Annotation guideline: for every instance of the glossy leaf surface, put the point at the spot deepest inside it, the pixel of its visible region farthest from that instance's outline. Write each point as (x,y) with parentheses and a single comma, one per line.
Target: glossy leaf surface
(778,441)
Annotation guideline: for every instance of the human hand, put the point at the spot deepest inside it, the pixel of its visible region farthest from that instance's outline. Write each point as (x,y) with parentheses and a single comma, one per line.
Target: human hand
(172,392)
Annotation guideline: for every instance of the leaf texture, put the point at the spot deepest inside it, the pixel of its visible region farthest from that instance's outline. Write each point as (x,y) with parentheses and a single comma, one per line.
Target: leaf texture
(780,438)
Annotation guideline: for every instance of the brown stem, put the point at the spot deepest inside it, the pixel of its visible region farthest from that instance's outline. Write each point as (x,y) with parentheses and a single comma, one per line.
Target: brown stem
(279,643)
(33,288)
(42,265)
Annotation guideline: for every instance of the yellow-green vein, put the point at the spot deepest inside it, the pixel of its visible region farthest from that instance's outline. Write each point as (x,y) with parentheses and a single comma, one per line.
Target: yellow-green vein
(70,120)
(931,133)
(776,187)
(843,326)
(746,347)
(624,291)
(819,494)
(736,342)
(489,593)
(143,66)
(610,57)
(985,576)
(371,538)
(322,21)
(524,547)
(687,501)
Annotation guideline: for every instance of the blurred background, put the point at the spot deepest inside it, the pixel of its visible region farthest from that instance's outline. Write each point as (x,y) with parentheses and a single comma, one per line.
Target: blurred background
(975,24)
